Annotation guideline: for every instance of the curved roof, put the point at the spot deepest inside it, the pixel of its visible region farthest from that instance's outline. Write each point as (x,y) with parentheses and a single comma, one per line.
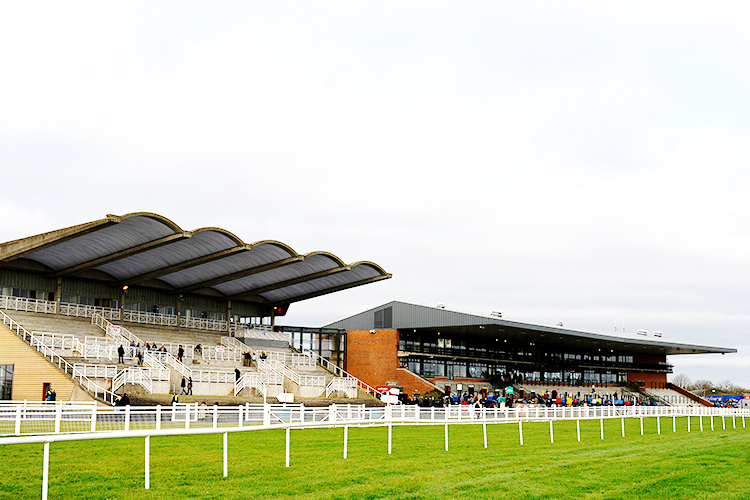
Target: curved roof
(150,250)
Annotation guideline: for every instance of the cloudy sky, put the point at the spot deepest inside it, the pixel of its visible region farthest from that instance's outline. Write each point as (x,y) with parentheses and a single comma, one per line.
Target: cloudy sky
(581,162)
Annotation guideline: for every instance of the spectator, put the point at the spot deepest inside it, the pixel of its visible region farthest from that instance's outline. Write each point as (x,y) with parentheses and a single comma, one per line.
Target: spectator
(52,395)
(175,399)
(190,386)
(236,374)
(198,350)
(121,354)
(180,353)
(182,384)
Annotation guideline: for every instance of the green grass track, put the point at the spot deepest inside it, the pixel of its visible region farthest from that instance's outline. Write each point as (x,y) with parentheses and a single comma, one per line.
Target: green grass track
(677,465)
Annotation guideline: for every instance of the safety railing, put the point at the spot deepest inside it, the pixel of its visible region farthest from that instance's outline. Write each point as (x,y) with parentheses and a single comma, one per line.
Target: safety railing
(214,325)
(23,418)
(342,384)
(84,311)
(95,371)
(221,353)
(340,372)
(27,305)
(56,340)
(213,376)
(157,369)
(173,363)
(147,318)
(56,359)
(134,375)
(273,366)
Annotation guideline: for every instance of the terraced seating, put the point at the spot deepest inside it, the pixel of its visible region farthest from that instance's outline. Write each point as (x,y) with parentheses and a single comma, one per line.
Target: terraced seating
(90,346)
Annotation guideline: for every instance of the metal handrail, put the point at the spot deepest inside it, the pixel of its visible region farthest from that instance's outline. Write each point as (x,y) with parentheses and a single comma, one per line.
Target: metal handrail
(55,358)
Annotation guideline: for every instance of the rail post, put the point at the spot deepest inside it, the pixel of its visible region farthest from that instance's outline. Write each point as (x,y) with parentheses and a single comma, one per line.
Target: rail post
(390,436)
(45,471)
(601,427)
(127,418)
(18,420)
(723,423)
(58,418)
(641,425)
(658,425)
(484,431)
(520,431)
(712,423)
(674,423)
(551,435)
(346,441)
(288,432)
(578,429)
(226,468)
(446,433)
(147,472)
(622,425)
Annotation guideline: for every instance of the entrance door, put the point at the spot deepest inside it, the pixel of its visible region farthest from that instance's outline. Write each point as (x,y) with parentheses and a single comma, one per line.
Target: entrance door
(45,387)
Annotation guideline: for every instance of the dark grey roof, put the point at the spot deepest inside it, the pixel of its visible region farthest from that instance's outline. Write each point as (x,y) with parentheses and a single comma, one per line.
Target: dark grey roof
(150,250)
(403,315)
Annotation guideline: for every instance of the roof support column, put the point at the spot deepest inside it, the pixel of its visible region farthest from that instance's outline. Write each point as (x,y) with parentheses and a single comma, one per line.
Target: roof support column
(58,296)
(229,318)
(177,300)
(273,317)
(123,291)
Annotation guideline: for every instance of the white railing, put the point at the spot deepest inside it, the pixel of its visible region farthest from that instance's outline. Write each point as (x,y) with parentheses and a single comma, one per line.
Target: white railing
(189,419)
(120,334)
(20,418)
(344,385)
(95,371)
(258,381)
(214,325)
(340,372)
(212,376)
(57,360)
(262,333)
(84,311)
(27,305)
(223,353)
(133,375)
(172,362)
(233,343)
(56,340)
(157,370)
(149,318)
(278,367)
(100,350)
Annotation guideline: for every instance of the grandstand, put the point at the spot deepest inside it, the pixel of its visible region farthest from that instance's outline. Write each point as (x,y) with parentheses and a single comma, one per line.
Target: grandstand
(194,306)
(423,348)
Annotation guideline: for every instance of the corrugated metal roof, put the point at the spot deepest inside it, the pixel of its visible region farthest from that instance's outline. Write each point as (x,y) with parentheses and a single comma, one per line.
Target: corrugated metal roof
(145,248)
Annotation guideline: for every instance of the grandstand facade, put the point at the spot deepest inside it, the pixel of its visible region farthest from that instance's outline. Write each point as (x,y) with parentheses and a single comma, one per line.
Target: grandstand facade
(420,348)
(199,305)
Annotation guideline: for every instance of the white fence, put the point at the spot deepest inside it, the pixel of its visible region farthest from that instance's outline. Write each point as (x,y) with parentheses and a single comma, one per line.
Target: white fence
(86,311)
(56,422)
(23,418)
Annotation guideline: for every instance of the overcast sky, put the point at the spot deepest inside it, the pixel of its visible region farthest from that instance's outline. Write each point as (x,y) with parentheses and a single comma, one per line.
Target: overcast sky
(583,162)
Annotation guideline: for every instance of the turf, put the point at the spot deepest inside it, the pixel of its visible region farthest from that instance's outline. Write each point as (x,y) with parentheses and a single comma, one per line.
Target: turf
(671,465)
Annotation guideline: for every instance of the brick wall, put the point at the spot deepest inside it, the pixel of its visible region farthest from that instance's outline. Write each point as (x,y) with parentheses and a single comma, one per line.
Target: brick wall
(648,378)
(372,357)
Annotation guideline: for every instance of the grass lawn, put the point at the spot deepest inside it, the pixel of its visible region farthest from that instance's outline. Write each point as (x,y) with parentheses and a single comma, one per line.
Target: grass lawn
(671,465)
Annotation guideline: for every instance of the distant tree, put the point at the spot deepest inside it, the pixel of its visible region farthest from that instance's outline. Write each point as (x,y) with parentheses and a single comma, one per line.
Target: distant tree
(681,380)
(702,386)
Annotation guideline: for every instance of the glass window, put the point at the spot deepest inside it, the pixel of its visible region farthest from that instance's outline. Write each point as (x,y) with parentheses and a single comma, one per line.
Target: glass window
(6,381)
